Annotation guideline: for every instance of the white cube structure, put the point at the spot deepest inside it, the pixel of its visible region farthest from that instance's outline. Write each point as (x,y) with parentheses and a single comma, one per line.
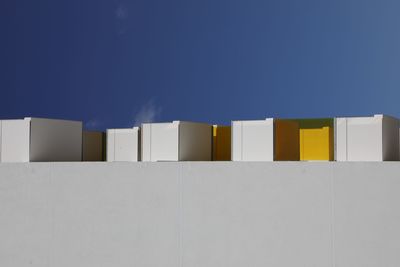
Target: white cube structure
(253,140)
(367,138)
(15,139)
(176,141)
(35,139)
(123,144)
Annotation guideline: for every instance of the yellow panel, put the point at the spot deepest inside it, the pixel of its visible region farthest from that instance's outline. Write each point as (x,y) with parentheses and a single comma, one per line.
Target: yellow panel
(221,143)
(287,145)
(316,144)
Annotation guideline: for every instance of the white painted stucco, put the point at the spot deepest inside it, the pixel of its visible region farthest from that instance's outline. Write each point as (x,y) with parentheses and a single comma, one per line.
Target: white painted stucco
(123,144)
(36,139)
(253,140)
(190,214)
(15,141)
(367,138)
(176,141)
(55,140)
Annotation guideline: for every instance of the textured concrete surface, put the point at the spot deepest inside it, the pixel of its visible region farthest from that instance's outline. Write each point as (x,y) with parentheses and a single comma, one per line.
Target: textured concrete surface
(200,214)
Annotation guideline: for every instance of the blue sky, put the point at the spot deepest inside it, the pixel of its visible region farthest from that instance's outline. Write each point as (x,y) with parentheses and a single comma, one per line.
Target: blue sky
(114,63)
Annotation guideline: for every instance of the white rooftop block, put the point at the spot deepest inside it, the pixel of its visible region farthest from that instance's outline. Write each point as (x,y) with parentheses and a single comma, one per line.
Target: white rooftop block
(15,140)
(55,140)
(253,140)
(34,139)
(367,138)
(176,141)
(123,144)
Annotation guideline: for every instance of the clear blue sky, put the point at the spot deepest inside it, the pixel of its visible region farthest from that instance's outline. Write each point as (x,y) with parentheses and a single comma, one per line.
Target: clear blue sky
(113,62)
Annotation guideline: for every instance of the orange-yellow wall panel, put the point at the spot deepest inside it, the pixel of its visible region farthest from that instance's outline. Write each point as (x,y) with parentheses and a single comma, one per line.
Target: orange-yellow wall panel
(287,140)
(221,143)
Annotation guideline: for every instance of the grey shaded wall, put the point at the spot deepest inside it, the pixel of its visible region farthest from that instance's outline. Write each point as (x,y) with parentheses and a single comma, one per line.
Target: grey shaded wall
(200,214)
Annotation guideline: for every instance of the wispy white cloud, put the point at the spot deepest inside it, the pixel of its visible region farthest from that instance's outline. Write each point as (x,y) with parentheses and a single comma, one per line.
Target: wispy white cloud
(149,112)
(121,16)
(93,124)
(121,12)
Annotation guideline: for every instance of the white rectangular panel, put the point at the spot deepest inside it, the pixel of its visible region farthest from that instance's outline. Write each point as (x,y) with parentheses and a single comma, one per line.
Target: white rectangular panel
(341,139)
(364,139)
(236,141)
(110,145)
(126,144)
(367,138)
(256,142)
(15,141)
(160,141)
(195,141)
(146,142)
(55,140)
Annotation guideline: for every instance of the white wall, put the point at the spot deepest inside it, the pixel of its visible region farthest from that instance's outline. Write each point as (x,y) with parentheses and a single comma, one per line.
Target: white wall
(391,138)
(160,141)
(253,140)
(110,143)
(176,141)
(0,140)
(55,140)
(200,214)
(367,138)
(123,144)
(15,141)
(195,141)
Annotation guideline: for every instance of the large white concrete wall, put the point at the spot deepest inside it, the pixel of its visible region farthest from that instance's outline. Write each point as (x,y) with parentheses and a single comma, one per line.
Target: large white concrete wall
(2,140)
(190,214)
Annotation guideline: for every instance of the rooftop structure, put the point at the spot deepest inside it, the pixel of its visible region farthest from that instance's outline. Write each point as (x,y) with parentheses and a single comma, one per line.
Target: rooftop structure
(373,138)
(123,144)
(253,140)
(367,139)
(36,139)
(176,141)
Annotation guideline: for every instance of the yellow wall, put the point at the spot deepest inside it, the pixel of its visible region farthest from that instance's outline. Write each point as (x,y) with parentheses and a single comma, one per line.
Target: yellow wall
(307,139)
(316,144)
(221,143)
(316,139)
